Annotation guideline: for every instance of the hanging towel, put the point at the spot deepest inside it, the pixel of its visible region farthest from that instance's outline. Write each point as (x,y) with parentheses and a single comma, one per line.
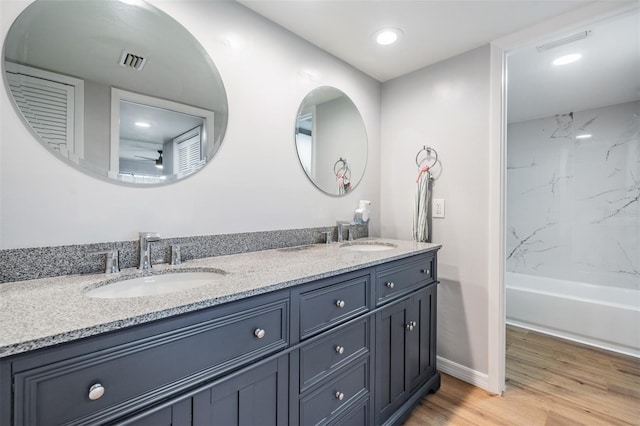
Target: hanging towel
(421,210)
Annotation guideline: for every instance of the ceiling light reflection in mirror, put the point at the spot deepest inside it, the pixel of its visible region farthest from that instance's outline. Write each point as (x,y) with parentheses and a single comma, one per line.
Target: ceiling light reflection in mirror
(82,74)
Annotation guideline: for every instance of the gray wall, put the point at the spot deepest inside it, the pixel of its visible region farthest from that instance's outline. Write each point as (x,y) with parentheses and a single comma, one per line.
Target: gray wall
(97,124)
(337,124)
(255,182)
(445,106)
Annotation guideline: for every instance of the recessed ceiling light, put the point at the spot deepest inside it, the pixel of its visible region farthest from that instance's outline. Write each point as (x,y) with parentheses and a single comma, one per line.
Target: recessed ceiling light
(142,124)
(567,59)
(584,136)
(387,36)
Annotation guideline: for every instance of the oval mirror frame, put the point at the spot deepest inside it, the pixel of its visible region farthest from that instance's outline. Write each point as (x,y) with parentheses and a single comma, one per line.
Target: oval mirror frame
(331,141)
(118,90)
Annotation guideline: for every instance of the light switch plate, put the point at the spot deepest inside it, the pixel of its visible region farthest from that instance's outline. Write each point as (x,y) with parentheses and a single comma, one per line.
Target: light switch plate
(438,207)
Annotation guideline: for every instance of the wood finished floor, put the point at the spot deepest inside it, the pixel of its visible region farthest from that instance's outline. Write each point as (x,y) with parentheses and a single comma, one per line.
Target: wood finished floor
(549,382)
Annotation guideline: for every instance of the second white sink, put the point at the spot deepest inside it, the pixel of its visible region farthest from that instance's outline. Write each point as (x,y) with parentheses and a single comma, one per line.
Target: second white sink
(153,285)
(368,246)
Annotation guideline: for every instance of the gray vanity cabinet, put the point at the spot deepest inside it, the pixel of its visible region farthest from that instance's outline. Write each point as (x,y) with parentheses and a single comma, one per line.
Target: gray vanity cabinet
(179,413)
(405,339)
(332,368)
(105,378)
(255,395)
(354,349)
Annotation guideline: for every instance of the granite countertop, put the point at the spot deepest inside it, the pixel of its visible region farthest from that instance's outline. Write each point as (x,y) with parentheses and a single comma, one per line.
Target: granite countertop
(39,313)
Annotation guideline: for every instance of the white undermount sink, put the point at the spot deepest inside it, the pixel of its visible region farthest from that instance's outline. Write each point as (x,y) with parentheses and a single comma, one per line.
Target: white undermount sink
(154,285)
(368,246)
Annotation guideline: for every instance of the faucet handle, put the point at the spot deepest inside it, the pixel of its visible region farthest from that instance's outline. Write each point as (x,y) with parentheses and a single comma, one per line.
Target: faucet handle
(176,253)
(352,230)
(176,258)
(149,236)
(112,260)
(329,236)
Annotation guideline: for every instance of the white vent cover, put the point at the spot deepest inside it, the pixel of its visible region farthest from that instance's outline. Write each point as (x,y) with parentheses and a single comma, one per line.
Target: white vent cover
(128,59)
(563,41)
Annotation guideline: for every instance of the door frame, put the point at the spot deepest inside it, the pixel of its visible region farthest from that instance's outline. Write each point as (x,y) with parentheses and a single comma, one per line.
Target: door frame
(554,28)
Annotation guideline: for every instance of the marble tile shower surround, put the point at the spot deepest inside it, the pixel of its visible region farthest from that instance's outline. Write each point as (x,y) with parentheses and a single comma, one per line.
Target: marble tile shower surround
(573,209)
(42,262)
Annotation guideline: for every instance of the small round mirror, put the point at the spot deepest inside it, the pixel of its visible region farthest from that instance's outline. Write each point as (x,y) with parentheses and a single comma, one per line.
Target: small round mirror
(117,89)
(331,141)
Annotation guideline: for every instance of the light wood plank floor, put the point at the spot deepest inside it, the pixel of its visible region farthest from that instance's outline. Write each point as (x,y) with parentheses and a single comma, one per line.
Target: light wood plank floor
(549,382)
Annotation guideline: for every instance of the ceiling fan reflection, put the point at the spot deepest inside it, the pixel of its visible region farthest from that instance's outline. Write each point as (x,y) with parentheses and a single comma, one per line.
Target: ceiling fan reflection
(159,162)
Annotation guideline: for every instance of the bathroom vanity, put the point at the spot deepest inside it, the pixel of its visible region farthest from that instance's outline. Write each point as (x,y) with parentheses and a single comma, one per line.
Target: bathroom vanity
(316,335)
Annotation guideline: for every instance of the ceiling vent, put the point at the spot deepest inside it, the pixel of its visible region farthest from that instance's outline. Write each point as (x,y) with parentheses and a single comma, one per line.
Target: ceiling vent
(128,59)
(563,41)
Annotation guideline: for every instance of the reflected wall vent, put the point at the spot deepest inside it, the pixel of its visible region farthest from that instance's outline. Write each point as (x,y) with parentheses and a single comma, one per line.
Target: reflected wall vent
(128,59)
(563,41)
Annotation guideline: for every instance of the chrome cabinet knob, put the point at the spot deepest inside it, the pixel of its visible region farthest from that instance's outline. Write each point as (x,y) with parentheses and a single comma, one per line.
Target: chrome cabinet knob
(96,391)
(340,349)
(390,285)
(259,333)
(340,303)
(425,271)
(339,395)
(411,325)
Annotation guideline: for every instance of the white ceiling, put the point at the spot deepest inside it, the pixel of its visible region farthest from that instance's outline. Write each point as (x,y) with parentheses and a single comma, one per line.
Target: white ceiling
(607,74)
(85,39)
(433,30)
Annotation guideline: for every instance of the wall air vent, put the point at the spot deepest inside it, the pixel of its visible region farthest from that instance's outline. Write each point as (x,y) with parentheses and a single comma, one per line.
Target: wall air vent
(128,59)
(563,41)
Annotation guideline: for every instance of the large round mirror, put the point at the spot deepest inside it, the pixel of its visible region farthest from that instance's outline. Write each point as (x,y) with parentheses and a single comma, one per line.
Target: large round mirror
(117,89)
(331,141)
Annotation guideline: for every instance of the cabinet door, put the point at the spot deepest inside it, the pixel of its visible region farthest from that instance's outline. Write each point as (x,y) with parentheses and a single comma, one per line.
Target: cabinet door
(391,337)
(178,414)
(420,342)
(257,396)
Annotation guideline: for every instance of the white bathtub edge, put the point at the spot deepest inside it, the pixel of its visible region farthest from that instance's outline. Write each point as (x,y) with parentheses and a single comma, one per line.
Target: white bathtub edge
(576,338)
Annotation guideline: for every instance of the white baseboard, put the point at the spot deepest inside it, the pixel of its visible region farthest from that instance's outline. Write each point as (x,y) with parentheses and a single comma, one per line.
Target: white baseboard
(463,373)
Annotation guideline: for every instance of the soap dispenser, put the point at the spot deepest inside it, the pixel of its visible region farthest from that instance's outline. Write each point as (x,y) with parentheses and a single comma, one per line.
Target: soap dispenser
(361,216)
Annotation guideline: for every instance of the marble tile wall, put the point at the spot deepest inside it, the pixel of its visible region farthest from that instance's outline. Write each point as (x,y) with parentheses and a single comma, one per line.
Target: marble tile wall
(572,203)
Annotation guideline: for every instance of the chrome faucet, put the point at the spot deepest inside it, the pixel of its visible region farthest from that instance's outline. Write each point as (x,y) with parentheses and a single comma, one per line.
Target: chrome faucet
(341,226)
(112,264)
(145,248)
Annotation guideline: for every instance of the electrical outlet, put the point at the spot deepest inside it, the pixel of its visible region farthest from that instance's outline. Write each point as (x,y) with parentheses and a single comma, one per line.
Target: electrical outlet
(438,207)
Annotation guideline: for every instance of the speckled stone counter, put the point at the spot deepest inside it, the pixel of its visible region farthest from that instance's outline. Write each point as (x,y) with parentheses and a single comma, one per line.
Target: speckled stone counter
(39,313)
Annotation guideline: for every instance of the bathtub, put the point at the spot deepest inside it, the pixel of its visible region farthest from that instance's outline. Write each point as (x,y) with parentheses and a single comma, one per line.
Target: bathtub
(606,317)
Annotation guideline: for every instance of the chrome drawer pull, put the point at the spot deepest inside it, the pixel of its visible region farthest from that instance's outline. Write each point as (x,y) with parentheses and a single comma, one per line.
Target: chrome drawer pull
(340,303)
(96,391)
(411,325)
(390,285)
(339,395)
(425,271)
(259,333)
(340,349)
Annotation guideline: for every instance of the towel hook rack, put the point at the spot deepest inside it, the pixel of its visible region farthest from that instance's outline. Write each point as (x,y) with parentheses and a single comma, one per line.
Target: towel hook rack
(429,151)
(344,168)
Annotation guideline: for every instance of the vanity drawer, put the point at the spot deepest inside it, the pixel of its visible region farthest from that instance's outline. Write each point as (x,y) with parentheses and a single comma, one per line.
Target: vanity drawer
(332,304)
(322,357)
(357,415)
(336,397)
(134,374)
(401,277)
